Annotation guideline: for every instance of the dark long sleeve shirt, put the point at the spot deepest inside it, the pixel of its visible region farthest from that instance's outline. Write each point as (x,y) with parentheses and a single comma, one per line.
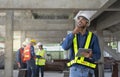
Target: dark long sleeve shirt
(32,52)
(67,44)
(31,62)
(18,56)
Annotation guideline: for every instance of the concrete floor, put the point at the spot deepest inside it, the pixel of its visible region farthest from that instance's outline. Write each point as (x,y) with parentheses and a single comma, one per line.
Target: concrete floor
(49,74)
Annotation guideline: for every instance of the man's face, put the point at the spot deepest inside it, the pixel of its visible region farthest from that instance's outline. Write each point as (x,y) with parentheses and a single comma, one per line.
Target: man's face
(23,46)
(33,43)
(40,47)
(81,22)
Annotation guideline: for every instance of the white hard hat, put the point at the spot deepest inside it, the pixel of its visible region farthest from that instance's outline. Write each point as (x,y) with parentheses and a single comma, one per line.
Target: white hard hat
(86,14)
(24,43)
(27,40)
(39,44)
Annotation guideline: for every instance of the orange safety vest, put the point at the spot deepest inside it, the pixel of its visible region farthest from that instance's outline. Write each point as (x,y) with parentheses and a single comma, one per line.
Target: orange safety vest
(27,55)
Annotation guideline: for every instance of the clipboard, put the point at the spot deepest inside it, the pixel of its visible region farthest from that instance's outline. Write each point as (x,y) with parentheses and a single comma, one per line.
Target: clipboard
(82,50)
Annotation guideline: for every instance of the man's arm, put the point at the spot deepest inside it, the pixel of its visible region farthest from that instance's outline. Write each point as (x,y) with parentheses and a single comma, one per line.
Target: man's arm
(67,43)
(32,52)
(18,58)
(96,53)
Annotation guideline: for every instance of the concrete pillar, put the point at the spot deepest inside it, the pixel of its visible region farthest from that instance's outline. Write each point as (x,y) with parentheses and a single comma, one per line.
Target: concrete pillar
(119,46)
(8,71)
(23,36)
(101,42)
(119,69)
(116,69)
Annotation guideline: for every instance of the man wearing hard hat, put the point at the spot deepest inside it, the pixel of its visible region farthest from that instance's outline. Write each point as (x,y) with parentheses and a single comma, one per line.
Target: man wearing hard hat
(29,57)
(80,38)
(19,57)
(40,59)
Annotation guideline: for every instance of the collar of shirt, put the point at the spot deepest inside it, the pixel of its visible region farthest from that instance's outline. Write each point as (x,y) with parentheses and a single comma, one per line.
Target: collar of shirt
(86,33)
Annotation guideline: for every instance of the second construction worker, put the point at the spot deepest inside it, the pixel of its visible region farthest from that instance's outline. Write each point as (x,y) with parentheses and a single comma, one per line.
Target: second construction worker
(40,60)
(29,56)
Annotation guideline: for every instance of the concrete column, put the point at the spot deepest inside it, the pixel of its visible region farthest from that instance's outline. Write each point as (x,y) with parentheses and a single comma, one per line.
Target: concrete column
(23,36)
(8,72)
(119,46)
(116,69)
(119,69)
(101,42)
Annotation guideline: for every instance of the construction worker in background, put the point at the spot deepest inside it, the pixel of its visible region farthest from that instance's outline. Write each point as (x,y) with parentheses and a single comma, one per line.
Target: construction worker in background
(19,57)
(40,59)
(80,37)
(29,57)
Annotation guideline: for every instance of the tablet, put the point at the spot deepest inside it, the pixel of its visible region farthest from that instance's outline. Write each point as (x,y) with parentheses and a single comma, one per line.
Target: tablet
(82,50)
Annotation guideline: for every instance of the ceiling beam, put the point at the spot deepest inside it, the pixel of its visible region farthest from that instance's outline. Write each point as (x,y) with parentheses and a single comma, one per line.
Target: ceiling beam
(2,20)
(117,35)
(103,8)
(49,40)
(49,4)
(46,34)
(108,21)
(40,25)
(43,25)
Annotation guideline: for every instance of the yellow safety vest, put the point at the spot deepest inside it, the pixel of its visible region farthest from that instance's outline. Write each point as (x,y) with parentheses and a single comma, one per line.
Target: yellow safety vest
(81,60)
(40,61)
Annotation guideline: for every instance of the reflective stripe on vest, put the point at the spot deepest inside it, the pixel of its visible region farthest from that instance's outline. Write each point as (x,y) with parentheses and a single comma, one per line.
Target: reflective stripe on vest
(81,60)
(26,53)
(40,61)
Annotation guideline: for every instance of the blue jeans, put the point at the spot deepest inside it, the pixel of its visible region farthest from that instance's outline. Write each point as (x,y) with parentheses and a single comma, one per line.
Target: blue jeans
(31,68)
(41,68)
(23,65)
(76,71)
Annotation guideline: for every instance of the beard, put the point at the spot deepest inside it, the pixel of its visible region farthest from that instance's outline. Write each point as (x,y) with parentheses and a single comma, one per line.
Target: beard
(80,25)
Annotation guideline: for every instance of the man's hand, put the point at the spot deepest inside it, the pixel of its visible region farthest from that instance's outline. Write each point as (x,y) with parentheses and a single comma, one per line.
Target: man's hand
(19,66)
(87,54)
(76,30)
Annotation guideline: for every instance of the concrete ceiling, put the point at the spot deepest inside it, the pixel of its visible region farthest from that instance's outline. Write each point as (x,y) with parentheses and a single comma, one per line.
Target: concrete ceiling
(48,4)
(50,24)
